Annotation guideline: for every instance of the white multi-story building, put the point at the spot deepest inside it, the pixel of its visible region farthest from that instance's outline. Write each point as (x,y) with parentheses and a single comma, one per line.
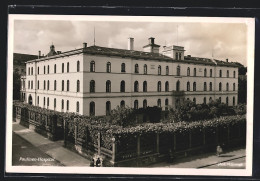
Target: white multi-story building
(93,80)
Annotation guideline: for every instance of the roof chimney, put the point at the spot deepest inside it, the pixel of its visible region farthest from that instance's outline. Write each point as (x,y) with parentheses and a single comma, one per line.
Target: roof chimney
(85,45)
(39,54)
(130,43)
(151,40)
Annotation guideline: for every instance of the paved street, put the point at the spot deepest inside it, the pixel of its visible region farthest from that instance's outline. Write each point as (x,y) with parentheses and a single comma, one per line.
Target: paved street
(230,159)
(24,153)
(46,147)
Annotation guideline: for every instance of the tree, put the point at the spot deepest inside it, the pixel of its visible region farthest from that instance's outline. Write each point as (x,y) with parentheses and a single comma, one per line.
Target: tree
(16,85)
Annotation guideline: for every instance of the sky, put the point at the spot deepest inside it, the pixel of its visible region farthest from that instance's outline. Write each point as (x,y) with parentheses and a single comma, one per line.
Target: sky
(222,40)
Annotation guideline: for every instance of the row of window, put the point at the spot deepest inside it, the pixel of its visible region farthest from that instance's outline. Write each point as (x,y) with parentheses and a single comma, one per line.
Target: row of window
(210,99)
(55,104)
(122,86)
(30,69)
(123,68)
(108,69)
(30,85)
(122,104)
(210,86)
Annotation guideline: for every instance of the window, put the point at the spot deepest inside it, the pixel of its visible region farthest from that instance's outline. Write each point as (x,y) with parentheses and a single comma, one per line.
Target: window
(176,56)
(68,85)
(159,86)
(178,85)
(166,86)
(78,66)
(44,70)
(166,104)
(32,71)
(227,73)
(48,85)
(44,85)
(227,87)
(220,86)
(220,99)
(108,67)
(48,102)
(62,86)
(68,67)
(205,86)
(55,85)
(122,104)
(188,71)
(210,99)
(62,105)
(38,70)
(48,69)
(38,100)
(54,103)
(108,86)
(144,86)
(234,74)
(179,56)
(108,107)
(55,68)
(136,68)
(68,105)
(62,68)
(210,72)
(43,101)
(136,86)
(167,70)
(188,86)
(194,86)
(227,100)
(194,100)
(159,70)
(145,104)
(29,71)
(205,72)
(92,108)
(77,107)
(220,73)
(122,86)
(159,104)
(38,85)
(204,100)
(194,72)
(145,69)
(78,86)
(234,86)
(123,67)
(178,70)
(210,86)
(234,101)
(92,86)
(31,84)
(92,66)
(136,104)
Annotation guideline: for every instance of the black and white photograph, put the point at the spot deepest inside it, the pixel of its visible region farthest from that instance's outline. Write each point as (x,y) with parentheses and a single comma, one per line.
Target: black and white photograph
(130,95)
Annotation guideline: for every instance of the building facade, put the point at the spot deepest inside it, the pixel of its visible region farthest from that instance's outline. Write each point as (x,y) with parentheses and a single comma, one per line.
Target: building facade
(94,80)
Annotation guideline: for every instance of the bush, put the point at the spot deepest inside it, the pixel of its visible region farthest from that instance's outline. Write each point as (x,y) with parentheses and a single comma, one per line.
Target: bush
(190,111)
